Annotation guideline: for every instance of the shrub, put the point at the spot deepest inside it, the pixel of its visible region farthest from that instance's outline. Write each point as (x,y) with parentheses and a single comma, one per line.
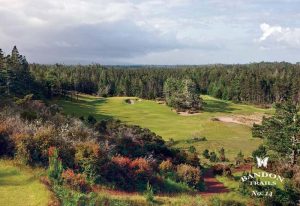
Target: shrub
(239,158)
(222,155)
(77,182)
(119,173)
(221,169)
(261,151)
(141,166)
(33,149)
(6,143)
(89,159)
(168,185)
(121,161)
(213,157)
(149,195)
(189,174)
(141,172)
(192,149)
(55,166)
(91,120)
(29,115)
(206,154)
(166,166)
(193,159)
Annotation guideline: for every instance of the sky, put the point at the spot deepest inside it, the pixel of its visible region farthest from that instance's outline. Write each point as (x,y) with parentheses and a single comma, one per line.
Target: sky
(163,32)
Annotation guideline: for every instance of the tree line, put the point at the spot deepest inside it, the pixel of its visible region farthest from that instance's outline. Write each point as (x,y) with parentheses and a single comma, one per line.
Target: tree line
(259,83)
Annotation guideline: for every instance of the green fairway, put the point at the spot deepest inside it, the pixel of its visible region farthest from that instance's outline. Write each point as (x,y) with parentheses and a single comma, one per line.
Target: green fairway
(20,187)
(163,121)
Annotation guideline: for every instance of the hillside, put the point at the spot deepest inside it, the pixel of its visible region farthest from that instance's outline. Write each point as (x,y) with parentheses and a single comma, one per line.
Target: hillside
(166,123)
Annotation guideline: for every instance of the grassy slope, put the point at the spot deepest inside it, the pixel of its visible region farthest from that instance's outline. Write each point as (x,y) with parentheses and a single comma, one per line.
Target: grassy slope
(168,124)
(20,187)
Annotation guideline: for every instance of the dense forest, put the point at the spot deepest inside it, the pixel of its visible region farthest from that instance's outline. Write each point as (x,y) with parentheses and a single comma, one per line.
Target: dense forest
(259,83)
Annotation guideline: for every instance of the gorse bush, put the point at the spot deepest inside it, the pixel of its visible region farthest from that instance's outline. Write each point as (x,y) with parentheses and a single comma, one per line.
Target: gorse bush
(166,166)
(89,158)
(130,174)
(189,174)
(77,182)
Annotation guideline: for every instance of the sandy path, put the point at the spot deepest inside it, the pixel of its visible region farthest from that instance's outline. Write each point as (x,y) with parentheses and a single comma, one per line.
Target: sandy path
(213,186)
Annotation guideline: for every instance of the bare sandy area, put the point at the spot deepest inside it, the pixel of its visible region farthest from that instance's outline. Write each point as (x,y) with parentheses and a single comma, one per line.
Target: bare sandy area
(188,114)
(248,120)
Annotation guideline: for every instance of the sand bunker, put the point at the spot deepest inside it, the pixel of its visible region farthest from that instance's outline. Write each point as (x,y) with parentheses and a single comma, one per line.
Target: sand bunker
(132,101)
(248,120)
(188,114)
(129,101)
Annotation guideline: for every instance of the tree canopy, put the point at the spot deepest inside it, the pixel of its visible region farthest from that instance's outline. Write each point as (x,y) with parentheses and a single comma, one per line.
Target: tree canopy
(282,132)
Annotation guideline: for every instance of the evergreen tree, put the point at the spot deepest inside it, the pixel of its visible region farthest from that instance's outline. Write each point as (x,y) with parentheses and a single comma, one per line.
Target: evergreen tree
(222,155)
(282,132)
(3,74)
(182,95)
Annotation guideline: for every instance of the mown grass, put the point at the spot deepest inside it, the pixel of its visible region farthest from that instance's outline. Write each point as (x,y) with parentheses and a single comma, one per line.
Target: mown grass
(139,200)
(21,186)
(166,123)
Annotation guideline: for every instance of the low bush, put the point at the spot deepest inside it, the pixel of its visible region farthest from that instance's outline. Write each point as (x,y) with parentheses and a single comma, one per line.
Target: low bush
(213,157)
(189,174)
(149,195)
(90,159)
(166,166)
(221,169)
(77,182)
(55,168)
(170,186)
(91,120)
(29,115)
(33,149)
(6,144)
(205,154)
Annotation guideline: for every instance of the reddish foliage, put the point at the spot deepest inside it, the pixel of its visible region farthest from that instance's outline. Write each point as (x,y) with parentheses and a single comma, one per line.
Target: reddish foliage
(75,181)
(140,166)
(189,174)
(121,161)
(166,166)
(51,151)
(3,127)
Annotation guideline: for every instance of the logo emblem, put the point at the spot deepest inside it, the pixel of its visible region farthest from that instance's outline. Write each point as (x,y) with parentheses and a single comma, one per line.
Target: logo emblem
(262,162)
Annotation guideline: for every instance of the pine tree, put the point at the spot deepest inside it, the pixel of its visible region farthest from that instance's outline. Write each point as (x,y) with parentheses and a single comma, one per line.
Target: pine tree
(3,74)
(282,132)
(2,60)
(15,58)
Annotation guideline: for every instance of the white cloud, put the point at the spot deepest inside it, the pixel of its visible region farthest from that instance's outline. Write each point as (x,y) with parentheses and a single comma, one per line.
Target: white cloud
(55,30)
(281,36)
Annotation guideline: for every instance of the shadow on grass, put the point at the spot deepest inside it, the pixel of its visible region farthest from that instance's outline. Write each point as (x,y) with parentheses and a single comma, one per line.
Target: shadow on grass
(85,108)
(218,106)
(5,179)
